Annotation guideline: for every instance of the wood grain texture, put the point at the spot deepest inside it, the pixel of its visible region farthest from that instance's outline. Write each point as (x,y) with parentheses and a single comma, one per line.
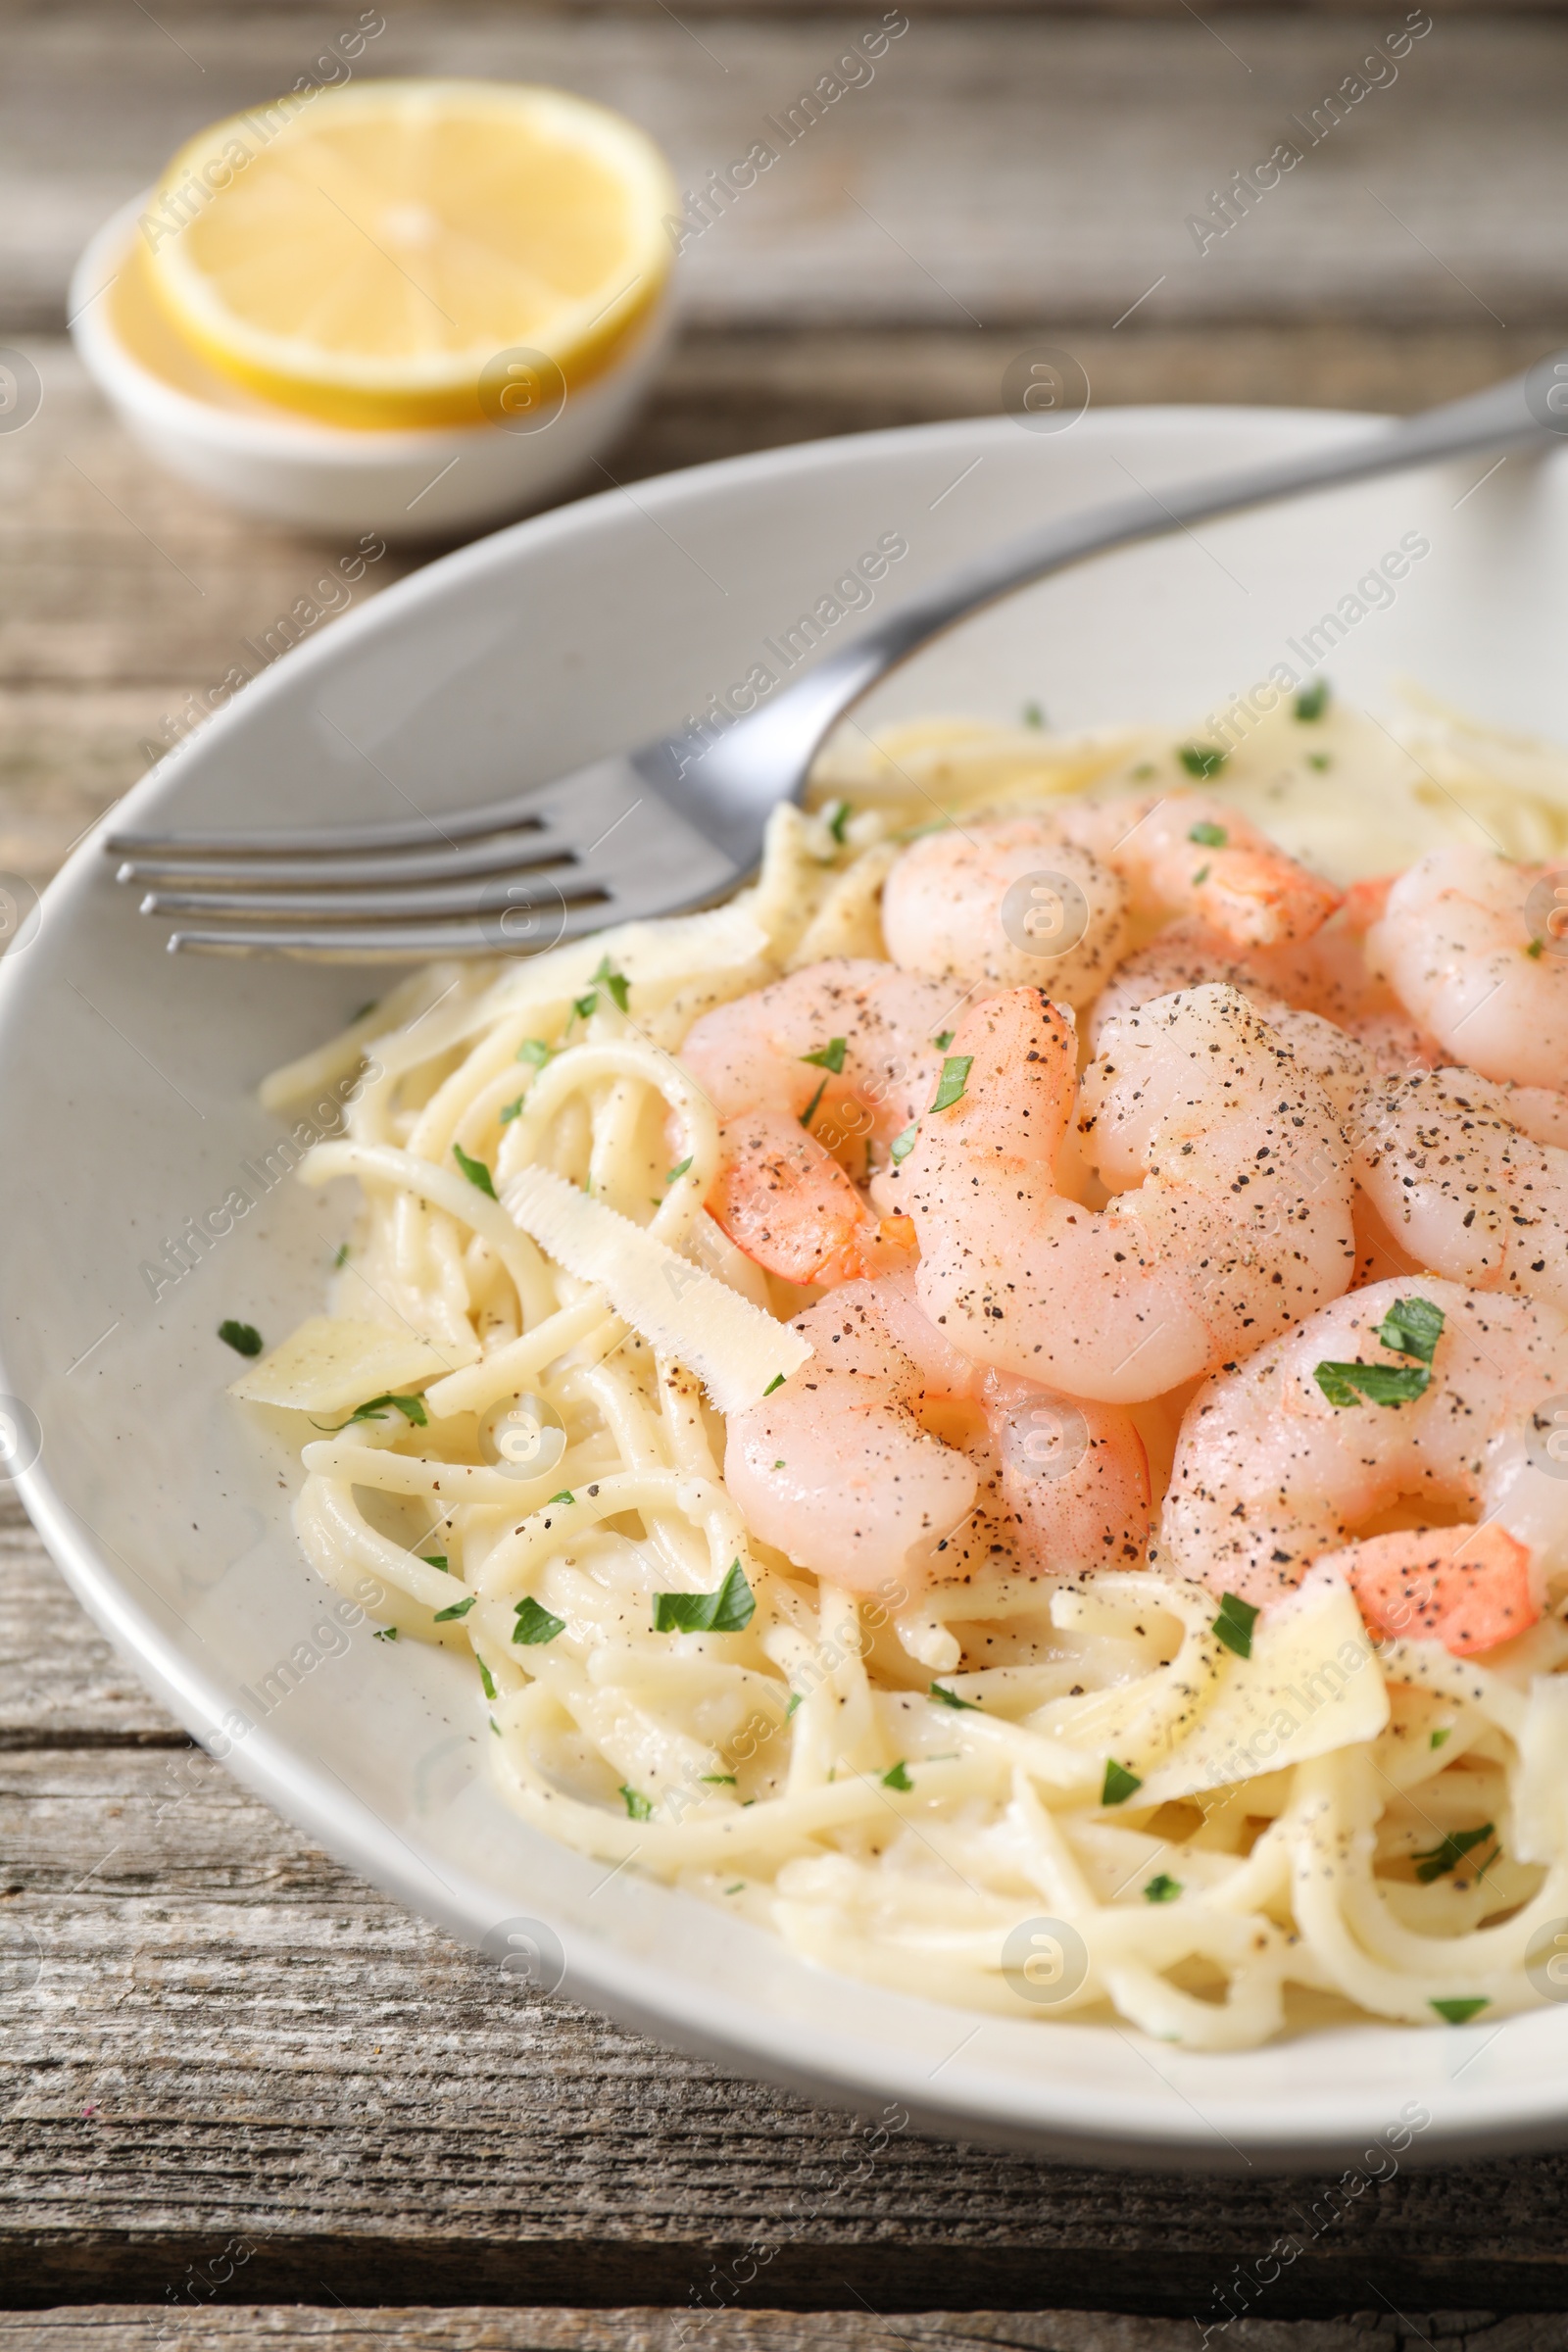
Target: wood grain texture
(237,2084)
(207,2032)
(130,2329)
(992,171)
(133,2329)
(123,592)
(228,2071)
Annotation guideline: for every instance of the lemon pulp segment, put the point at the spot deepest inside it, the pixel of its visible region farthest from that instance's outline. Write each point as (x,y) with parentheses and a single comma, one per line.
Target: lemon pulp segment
(362,254)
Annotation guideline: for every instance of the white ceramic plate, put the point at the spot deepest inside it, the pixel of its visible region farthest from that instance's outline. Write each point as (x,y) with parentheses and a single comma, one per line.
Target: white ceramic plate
(127,1078)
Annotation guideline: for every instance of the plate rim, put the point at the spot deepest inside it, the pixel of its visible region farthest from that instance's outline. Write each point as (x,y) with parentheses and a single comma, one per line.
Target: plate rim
(1081,2124)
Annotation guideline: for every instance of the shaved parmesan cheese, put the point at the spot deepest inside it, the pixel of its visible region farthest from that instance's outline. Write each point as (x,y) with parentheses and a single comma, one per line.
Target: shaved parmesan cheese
(736,1350)
(673,948)
(1311,1684)
(332,1365)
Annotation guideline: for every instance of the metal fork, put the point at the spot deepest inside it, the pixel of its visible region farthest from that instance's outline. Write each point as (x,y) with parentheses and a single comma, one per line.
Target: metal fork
(679,822)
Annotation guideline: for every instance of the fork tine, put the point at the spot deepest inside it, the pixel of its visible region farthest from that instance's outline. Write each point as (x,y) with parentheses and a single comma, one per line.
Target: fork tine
(616,852)
(524,811)
(478,899)
(531,853)
(390,943)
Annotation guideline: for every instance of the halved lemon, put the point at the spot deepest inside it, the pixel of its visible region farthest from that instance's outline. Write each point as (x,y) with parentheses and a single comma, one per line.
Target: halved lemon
(366,254)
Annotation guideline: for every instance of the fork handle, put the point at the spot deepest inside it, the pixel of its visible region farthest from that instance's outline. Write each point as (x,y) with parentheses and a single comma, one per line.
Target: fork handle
(718,788)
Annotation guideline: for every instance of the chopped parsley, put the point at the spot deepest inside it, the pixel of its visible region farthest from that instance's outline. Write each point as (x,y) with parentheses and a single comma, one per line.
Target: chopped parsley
(829,1056)
(638,1806)
(565,1496)
(1412,1327)
(1320,759)
(364,1010)
(476,1171)
(1379,1384)
(951,1698)
(903,1145)
(1201,758)
(1449,1852)
(511,1112)
(898,1778)
(385,1633)
(1313,700)
(459,1608)
(1234,1624)
(955,1070)
(437,1559)
(618,983)
(1119,1783)
(739,1888)
(1207,835)
(840,817)
(1143,771)
(942,1040)
(1459,2013)
(1033,715)
(719,1780)
(679,1169)
(486,1678)
(1535,949)
(243,1338)
(809,1112)
(1201,876)
(1441,1738)
(582,1006)
(534,1050)
(777,1381)
(729,1611)
(535,1624)
(411,1407)
(796,1698)
(342,1258)
(1163,1889)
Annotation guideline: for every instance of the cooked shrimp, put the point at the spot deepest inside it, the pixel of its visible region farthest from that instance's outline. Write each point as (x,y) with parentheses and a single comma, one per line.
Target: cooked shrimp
(959,904)
(1242,1222)
(1444,1161)
(1283,1461)
(1325,978)
(1008,902)
(1457,944)
(808,1077)
(840,1471)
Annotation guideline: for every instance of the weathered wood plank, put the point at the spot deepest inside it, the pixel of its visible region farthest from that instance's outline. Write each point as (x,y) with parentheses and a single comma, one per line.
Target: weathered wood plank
(124,593)
(227,2039)
(212,2033)
(131,2329)
(62,1685)
(992,170)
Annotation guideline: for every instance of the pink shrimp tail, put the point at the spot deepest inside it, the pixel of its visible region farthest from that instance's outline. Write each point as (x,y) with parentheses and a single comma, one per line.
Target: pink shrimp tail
(1469,1588)
(1257,899)
(789,1207)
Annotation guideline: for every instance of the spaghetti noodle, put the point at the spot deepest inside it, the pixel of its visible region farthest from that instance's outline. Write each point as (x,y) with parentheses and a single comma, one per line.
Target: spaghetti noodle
(1206,1843)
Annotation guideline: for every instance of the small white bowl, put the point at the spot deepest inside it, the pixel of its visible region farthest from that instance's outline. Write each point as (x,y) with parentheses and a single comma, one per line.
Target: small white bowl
(423,484)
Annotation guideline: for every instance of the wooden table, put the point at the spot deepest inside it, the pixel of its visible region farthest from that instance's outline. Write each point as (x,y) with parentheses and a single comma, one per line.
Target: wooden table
(247,2099)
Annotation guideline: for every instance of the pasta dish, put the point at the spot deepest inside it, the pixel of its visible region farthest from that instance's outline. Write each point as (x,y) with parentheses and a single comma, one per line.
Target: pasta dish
(996,1405)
